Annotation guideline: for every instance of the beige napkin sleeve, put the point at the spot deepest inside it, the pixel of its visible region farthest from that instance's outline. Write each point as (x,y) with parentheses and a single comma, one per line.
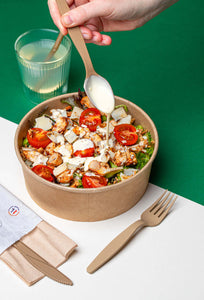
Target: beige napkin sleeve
(48,242)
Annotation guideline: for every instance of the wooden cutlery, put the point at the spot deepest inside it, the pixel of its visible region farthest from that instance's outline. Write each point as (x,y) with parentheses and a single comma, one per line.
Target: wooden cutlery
(152,216)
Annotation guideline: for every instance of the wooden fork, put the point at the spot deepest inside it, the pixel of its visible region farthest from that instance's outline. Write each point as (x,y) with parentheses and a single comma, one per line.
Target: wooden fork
(152,216)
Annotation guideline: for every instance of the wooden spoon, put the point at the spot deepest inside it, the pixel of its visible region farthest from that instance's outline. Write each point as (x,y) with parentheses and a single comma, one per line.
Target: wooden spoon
(55,47)
(91,74)
(48,57)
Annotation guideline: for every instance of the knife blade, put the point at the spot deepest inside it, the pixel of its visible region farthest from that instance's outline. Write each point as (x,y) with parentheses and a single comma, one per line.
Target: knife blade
(41,264)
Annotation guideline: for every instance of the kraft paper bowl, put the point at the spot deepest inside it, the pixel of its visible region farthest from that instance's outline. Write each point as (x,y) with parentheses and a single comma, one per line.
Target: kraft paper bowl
(85,204)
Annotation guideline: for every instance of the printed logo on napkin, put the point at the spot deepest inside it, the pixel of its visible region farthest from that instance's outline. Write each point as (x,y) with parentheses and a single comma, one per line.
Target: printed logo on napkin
(13,211)
(16,219)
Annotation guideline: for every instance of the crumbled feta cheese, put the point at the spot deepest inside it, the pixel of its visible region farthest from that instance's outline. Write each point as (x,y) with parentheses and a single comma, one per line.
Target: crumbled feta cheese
(82,145)
(61,168)
(104,156)
(82,133)
(118,146)
(43,123)
(119,113)
(129,171)
(56,137)
(95,138)
(70,101)
(112,154)
(28,163)
(70,136)
(28,149)
(75,162)
(76,113)
(40,160)
(69,124)
(103,144)
(103,130)
(56,113)
(90,174)
(64,150)
(126,120)
(111,143)
(141,143)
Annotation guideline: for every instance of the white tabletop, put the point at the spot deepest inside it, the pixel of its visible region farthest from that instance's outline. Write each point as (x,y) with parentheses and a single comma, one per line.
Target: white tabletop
(160,263)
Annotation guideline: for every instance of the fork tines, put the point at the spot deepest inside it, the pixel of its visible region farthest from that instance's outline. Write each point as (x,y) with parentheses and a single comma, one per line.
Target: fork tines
(163,204)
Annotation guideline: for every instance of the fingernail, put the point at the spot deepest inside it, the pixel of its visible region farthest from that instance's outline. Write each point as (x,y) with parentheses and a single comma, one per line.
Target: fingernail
(67,19)
(86,36)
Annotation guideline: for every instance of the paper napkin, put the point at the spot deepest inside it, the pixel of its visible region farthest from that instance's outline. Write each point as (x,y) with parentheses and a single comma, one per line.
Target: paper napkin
(16,219)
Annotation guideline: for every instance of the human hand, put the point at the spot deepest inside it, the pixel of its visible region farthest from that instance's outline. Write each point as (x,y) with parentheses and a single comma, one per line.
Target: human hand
(94,16)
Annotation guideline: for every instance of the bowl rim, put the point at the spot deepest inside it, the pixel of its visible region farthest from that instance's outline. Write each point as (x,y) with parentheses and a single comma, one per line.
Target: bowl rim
(75,190)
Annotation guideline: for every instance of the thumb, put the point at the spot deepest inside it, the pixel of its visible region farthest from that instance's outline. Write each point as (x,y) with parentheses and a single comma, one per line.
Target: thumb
(82,13)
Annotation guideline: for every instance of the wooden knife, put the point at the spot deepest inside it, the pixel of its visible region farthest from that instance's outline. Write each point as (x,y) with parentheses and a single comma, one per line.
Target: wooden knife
(41,264)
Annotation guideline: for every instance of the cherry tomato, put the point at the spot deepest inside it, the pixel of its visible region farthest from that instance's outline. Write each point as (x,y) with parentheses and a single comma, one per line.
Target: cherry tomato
(38,138)
(125,134)
(44,172)
(84,153)
(91,117)
(94,181)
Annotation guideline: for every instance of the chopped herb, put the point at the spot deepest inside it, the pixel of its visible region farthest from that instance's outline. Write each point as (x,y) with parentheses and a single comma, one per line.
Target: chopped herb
(47,116)
(114,179)
(77,175)
(118,177)
(122,105)
(150,150)
(80,185)
(68,101)
(103,118)
(139,127)
(148,135)
(25,142)
(143,158)
(112,165)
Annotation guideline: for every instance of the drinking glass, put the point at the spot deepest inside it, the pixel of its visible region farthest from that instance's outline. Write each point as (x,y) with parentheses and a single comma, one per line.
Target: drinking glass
(43,79)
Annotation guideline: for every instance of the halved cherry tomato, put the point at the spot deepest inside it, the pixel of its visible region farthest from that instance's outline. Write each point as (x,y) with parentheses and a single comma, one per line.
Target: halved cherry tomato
(94,181)
(91,117)
(125,134)
(44,172)
(38,138)
(84,153)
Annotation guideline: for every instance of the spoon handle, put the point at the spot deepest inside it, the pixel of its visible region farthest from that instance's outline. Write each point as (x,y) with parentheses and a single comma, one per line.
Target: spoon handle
(78,40)
(55,47)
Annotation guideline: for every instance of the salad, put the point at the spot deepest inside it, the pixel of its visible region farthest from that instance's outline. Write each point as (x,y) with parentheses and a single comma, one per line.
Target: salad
(69,146)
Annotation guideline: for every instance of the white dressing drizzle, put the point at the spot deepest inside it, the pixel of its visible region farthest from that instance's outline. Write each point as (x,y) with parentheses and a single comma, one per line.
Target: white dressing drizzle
(101,95)
(107,129)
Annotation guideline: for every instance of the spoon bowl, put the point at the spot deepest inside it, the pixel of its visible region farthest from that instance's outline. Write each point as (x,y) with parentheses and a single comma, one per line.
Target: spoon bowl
(100,93)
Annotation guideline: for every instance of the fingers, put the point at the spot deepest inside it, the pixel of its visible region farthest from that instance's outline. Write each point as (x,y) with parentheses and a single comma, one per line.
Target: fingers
(90,35)
(54,12)
(83,13)
(95,37)
(99,39)
(86,32)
